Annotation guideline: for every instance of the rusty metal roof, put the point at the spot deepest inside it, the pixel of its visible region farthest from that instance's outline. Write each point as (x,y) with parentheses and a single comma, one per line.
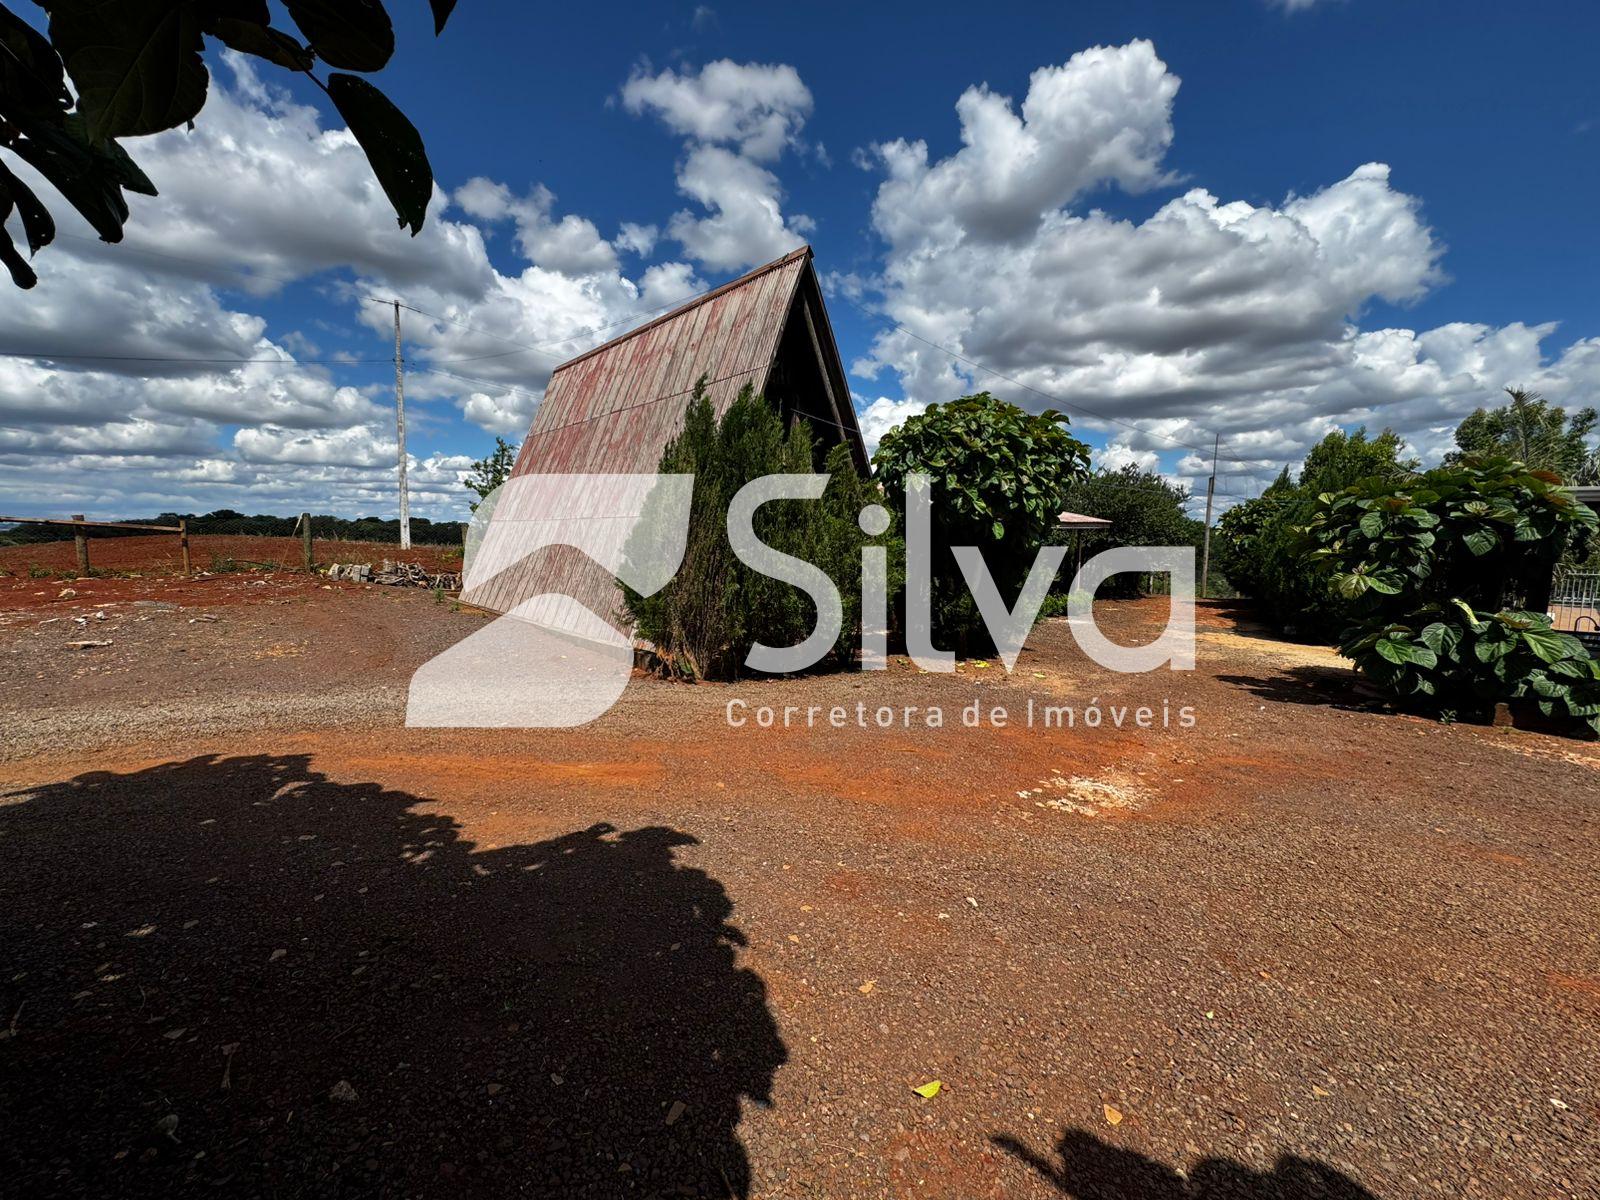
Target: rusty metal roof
(613,409)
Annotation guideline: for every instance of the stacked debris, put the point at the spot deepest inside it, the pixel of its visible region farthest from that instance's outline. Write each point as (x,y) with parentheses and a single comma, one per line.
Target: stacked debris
(397,574)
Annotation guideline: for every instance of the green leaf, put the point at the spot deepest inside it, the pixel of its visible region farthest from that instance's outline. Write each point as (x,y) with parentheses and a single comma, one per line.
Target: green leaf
(1383,585)
(1352,584)
(90,177)
(1548,644)
(1488,650)
(30,69)
(1480,541)
(441,13)
(37,224)
(392,146)
(1543,685)
(21,273)
(1467,610)
(259,39)
(1393,651)
(1372,524)
(135,64)
(353,35)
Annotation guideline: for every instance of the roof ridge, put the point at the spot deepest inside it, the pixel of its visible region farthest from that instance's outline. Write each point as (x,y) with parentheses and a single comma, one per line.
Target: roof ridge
(803,251)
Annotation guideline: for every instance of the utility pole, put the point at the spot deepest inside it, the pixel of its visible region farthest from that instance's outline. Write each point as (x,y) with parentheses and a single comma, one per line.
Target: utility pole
(400,429)
(1205,554)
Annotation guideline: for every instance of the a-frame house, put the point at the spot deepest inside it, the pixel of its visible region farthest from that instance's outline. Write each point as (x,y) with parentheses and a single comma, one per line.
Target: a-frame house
(613,410)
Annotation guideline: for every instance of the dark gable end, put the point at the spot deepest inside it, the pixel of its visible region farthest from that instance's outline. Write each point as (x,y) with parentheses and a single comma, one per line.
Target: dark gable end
(614,409)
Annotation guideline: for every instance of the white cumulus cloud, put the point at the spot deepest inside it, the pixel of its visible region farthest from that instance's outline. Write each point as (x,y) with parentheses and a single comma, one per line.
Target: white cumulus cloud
(1209,316)
(738,119)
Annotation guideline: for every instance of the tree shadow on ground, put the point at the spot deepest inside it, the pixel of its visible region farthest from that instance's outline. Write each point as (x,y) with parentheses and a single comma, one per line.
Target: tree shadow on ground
(1325,687)
(1086,1168)
(236,977)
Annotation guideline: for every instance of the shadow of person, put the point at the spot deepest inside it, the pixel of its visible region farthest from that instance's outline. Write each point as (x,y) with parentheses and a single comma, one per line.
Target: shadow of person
(239,976)
(1086,1168)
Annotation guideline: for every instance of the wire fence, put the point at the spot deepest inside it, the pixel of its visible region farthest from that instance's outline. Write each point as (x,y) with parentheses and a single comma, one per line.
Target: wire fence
(324,528)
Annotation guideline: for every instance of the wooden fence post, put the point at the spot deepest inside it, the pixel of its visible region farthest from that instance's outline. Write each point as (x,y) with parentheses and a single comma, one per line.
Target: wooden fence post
(80,542)
(183,542)
(305,542)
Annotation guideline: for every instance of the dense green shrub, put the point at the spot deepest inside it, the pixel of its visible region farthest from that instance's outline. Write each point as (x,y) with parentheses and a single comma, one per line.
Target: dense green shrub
(1426,569)
(998,475)
(705,620)
(1144,510)
(1256,548)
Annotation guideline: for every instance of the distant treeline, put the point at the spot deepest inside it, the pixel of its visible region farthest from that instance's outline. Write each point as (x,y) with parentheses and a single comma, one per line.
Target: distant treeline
(225,520)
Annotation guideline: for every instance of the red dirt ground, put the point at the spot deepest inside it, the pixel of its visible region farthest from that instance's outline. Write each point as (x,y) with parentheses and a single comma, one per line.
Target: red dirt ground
(1307,948)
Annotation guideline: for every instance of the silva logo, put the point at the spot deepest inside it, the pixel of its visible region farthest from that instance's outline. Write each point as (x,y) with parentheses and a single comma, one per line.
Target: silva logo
(551,662)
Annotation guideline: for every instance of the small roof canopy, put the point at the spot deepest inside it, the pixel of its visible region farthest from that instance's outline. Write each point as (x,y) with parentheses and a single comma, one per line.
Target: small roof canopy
(1078,523)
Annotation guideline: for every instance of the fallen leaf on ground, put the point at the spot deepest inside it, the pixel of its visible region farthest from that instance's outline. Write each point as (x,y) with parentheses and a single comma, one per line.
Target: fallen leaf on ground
(928,1090)
(1113,1116)
(866,988)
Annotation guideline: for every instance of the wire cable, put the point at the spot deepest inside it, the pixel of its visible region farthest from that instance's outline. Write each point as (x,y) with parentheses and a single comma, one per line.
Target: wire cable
(160,358)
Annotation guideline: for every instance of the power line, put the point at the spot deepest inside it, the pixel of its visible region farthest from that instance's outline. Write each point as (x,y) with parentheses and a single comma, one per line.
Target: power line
(160,358)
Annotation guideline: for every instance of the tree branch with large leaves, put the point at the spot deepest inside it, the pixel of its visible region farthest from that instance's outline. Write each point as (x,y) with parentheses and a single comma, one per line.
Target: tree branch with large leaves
(135,68)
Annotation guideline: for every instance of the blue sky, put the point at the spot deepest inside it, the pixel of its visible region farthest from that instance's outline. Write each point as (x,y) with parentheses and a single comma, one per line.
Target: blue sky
(1170,214)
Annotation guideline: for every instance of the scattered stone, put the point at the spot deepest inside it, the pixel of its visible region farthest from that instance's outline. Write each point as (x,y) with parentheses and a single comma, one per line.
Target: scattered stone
(343,1092)
(396,574)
